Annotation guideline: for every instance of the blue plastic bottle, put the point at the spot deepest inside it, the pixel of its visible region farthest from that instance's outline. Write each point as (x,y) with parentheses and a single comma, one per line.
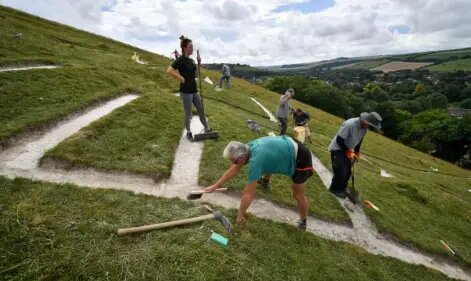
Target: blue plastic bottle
(219,239)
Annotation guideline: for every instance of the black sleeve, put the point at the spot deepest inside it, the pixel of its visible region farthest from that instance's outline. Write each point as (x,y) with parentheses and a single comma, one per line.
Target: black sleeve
(357,148)
(176,64)
(341,142)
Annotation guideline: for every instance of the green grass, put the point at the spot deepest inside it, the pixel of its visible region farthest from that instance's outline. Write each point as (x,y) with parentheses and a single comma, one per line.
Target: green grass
(62,232)
(417,207)
(369,64)
(451,66)
(95,68)
(141,137)
(446,55)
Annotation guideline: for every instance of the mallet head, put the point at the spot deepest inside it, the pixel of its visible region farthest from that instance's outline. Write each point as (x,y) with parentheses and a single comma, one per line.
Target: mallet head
(225,222)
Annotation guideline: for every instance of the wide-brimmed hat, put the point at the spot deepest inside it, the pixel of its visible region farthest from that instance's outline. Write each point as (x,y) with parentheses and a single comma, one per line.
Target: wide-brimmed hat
(373,119)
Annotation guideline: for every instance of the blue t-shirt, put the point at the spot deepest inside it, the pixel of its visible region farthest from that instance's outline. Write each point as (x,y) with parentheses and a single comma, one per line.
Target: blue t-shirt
(271,155)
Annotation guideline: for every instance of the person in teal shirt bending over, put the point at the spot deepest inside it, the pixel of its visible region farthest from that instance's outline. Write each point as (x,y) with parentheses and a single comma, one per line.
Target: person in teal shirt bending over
(266,156)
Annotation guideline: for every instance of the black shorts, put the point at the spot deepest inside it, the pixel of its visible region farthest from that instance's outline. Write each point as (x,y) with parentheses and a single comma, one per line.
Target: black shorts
(304,168)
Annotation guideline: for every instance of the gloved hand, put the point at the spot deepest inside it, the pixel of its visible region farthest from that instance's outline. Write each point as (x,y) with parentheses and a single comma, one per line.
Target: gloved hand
(354,157)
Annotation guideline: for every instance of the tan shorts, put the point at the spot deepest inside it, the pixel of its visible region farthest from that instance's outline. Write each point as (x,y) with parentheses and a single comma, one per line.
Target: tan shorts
(301,132)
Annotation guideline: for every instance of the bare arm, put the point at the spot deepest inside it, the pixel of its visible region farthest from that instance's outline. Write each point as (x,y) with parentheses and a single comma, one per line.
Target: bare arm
(283,99)
(233,171)
(174,73)
(245,201)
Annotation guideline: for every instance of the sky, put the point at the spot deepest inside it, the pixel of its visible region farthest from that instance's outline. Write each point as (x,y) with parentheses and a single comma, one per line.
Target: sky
(269,32)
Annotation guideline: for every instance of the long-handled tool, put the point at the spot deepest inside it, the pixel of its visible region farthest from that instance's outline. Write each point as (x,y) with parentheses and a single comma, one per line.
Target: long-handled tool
(196,194)
(353,194)
(203,135)
(214,215)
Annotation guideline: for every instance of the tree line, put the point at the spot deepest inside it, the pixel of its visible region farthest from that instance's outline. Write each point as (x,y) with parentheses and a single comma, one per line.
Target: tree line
(413,111)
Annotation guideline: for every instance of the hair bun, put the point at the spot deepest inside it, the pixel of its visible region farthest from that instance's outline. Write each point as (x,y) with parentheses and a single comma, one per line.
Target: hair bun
(182,37)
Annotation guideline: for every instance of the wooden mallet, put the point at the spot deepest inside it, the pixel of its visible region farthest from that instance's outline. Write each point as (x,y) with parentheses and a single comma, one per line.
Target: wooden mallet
(196,194)
(214,215)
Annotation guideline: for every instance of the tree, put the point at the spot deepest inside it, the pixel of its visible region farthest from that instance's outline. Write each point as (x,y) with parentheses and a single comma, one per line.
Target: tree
(389,124)
(465,93)
(424,102)
(453,92)
(412,106)
(466,103)
(438,100)
(356,103)
(449,136)
(420,89)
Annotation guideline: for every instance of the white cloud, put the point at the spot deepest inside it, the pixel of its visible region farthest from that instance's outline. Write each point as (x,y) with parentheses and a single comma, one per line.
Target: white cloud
(250,32)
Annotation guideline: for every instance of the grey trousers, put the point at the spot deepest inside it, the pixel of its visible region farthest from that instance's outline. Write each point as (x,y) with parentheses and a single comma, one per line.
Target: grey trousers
(188,100)
(283,125)
(227,79)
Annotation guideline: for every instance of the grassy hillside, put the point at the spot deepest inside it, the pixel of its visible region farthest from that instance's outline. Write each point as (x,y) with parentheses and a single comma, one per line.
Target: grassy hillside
(418,206)
(53,232)
(369,64)
(451,59)
(453,65)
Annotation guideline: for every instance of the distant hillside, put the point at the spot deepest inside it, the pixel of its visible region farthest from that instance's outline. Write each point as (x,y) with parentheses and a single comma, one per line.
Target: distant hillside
(453,60)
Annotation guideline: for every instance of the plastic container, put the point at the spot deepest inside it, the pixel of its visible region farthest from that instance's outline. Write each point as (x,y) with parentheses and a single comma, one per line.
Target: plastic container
(218,238)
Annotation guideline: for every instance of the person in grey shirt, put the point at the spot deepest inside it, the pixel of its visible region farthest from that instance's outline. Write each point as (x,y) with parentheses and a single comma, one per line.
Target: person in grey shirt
(283,110)
(226,76)
(345,149)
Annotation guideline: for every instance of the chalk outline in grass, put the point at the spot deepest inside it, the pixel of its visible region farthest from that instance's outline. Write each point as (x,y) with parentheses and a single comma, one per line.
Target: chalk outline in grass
(270,115)
(184,178)
(29,67)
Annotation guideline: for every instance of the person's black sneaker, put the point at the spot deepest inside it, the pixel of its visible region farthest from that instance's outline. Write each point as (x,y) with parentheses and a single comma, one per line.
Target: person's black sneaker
(302,224)
(339,194)
(264,183)
(189,136)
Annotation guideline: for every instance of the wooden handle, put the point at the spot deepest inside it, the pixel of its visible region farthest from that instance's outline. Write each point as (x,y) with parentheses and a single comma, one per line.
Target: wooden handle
(130,230)
(204,191)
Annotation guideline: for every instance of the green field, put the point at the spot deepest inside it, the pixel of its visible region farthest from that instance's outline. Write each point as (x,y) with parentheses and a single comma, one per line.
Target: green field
(418,206)
(450,66)
(369,64)
(446,55)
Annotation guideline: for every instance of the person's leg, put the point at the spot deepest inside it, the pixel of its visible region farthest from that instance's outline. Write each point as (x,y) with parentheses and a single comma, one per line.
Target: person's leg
(199,108)
(348,171)
(220,81)
(283,125)
(187,104)
(228,82)
(308,133)
(340,171)
(301,200)
(303,172)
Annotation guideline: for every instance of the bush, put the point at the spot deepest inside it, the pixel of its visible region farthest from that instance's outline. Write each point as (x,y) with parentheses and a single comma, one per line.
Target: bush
(466,103)
(438,100)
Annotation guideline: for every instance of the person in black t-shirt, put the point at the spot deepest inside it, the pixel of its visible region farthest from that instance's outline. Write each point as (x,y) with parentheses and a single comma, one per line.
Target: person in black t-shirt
(184,69)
